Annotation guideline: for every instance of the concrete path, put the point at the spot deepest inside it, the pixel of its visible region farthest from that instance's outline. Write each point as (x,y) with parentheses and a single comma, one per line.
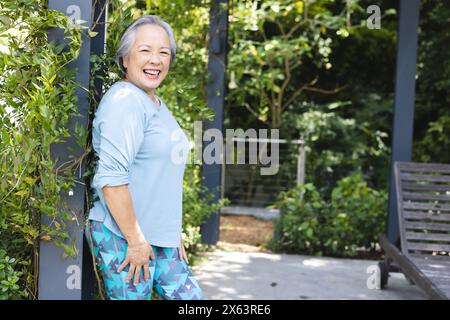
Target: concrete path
(256,275)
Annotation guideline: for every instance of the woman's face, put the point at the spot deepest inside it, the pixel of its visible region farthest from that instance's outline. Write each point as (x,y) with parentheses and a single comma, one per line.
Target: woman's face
(148,61)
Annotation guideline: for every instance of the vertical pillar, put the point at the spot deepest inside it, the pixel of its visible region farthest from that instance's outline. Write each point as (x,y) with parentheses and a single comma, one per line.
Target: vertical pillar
(405,83)
(97,47)
(301,159)
(61,278)
(217,61)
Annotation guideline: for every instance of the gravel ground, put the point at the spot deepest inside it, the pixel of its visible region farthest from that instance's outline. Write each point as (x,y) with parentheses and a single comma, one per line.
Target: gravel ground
(244,232)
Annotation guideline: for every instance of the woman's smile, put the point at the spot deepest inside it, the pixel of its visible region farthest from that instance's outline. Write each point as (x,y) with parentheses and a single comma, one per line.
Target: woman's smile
(152,74)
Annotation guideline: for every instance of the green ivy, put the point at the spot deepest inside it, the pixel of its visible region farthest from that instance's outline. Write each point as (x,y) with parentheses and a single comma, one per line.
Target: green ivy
(9,278)
(37,98)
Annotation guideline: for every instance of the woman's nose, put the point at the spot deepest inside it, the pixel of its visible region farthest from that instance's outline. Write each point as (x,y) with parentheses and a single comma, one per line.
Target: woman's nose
(155,58)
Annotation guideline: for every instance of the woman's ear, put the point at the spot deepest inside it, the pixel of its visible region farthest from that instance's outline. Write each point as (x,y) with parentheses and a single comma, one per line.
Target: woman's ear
(125,62)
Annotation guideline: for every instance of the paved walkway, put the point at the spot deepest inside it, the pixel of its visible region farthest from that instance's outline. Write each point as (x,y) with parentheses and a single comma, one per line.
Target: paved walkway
(257,275)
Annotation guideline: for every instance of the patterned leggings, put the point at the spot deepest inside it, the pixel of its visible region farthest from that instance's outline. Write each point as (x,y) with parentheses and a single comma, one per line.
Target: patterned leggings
(170,276)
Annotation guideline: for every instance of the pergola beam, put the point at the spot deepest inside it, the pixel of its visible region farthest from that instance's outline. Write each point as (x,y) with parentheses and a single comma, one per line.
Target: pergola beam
(405,85)
(72,278)
(216,90)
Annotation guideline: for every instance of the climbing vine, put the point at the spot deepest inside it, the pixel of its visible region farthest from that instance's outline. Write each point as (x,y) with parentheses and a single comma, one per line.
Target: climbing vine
(37,100)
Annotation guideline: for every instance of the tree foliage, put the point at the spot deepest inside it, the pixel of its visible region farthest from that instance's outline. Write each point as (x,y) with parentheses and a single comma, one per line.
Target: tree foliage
(271,45)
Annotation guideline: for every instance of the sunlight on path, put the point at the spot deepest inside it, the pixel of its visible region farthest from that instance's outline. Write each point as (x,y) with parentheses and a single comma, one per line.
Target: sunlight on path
(227,274)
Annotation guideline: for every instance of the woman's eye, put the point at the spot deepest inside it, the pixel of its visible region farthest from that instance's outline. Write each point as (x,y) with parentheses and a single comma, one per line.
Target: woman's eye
(164,53)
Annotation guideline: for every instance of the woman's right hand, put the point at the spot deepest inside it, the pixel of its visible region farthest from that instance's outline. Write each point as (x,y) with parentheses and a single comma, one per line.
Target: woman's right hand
(138,254)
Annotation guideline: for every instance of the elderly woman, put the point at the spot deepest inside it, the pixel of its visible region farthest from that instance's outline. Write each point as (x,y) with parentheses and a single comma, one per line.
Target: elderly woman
(134,227)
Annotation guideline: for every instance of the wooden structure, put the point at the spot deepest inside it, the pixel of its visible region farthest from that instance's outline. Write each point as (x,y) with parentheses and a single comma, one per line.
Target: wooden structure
(216,92)
(405,92)
(423,206)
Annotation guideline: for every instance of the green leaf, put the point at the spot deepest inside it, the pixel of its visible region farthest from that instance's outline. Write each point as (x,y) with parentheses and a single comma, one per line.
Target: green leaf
(21,193)
(92,33)
(52,78)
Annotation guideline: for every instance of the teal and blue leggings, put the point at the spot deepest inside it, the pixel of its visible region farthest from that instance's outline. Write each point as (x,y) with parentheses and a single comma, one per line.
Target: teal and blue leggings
(169,276)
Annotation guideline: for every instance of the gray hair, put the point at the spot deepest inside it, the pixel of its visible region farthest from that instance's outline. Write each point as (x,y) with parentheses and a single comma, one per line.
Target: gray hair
(128,37)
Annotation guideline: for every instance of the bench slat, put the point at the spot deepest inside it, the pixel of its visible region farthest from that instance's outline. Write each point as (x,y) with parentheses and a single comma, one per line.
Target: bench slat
(427,187)
(428,247)
(426,206)
(427,226)
(418,166)
(424,177)
(428,236)
(444,275)
(425,196)
(430,259)
(423,215)
(434,268)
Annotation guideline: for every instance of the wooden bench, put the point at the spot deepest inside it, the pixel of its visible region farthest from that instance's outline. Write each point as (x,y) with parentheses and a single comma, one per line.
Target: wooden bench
(423,202)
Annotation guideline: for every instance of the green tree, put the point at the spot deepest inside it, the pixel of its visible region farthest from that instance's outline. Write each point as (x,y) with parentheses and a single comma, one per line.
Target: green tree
(270,45)
(432,116)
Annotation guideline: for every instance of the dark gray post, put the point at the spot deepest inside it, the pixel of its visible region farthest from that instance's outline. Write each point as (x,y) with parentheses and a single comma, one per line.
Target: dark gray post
(61,278)
(217,62)
(97,48)
(405,83)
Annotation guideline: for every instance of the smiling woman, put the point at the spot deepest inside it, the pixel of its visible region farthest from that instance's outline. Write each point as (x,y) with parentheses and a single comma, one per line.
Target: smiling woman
(135,226)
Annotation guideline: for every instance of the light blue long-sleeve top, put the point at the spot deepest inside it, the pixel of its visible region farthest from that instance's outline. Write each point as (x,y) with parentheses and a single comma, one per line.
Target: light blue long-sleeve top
(140,144)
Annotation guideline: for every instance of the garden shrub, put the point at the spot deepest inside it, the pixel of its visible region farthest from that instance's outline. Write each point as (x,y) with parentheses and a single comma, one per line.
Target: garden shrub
(358,215)
(198,205)
(301,224)
(351,221)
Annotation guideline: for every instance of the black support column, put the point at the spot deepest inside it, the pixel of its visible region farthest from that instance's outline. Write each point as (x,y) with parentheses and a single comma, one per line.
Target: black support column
(71,278)
(216,91)
(405,83)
